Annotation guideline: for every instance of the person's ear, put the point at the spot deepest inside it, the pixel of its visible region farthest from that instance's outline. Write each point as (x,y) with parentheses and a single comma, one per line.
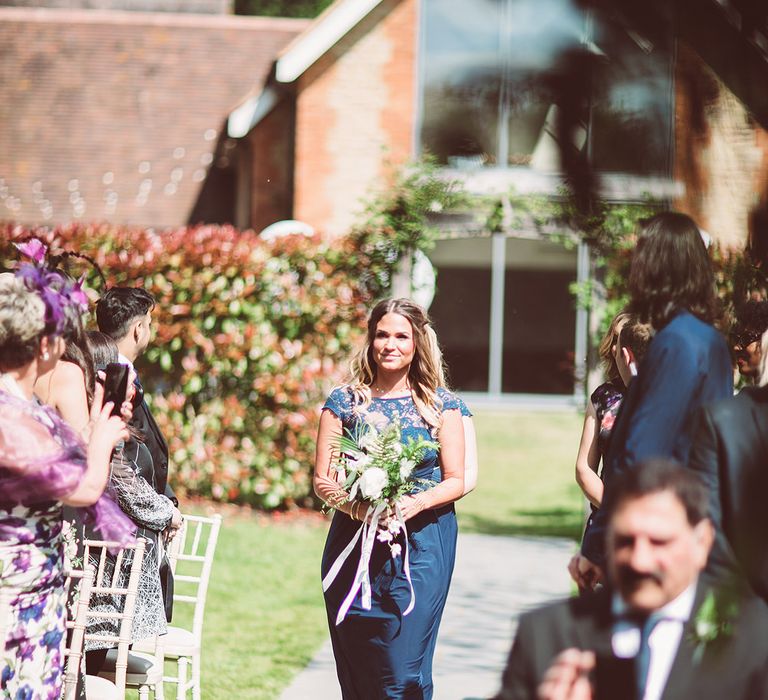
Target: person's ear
(629,359)
(704,536)
(45,348)
(137,331)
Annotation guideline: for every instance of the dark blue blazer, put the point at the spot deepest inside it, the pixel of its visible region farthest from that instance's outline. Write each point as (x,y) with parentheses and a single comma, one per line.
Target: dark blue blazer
(687,366)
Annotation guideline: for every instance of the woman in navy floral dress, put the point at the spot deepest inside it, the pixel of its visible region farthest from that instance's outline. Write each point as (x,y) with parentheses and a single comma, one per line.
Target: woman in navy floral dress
(43,464)
(384,652)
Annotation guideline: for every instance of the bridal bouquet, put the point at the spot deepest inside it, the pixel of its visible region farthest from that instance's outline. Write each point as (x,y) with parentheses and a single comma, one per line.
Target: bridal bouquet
(377,467)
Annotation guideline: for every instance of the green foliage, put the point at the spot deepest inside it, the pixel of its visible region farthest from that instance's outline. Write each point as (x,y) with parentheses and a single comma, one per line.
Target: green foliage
(380,447)
(250,336)
(396,222)
(281,8)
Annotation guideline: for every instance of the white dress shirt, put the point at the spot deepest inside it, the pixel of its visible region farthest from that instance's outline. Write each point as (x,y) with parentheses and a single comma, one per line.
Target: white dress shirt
(123,360)
(663,641)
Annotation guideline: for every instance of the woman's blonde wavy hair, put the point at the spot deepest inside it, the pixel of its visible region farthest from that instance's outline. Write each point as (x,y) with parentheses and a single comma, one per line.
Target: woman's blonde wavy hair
(427,371)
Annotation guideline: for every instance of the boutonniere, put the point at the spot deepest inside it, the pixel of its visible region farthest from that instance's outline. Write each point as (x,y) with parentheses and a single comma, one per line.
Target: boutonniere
(713,622)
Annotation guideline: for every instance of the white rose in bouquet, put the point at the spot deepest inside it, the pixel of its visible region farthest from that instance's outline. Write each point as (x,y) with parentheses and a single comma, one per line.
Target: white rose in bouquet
(358,461)
(406,467)
(372,483)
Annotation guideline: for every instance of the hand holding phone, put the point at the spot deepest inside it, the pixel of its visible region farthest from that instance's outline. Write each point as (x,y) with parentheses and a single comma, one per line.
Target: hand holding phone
(116,386)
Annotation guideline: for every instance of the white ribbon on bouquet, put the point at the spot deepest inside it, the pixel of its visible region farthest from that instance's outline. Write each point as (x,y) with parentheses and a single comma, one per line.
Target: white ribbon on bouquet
(362,580)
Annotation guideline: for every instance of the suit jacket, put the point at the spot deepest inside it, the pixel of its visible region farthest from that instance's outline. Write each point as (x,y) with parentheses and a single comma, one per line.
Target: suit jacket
(158,448)
(734,667)
(687,365)
(730,453)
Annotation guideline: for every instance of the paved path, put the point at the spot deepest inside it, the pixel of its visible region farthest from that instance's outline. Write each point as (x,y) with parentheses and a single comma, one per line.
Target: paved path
(495,579)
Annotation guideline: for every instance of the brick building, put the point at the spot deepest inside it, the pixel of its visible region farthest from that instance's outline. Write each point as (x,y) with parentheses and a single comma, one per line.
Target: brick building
(371,82)
(163,118)
(121,115)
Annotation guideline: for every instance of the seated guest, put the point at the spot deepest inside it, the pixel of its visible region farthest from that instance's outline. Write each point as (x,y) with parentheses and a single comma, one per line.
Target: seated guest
(751,323)
(152,512)
(659,630)
(730,453)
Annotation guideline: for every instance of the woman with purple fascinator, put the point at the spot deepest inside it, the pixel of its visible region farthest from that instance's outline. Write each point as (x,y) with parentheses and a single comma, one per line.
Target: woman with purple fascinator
(44,465)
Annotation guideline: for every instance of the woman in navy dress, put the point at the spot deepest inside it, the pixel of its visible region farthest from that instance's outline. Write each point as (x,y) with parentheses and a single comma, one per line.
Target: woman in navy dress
(384,653)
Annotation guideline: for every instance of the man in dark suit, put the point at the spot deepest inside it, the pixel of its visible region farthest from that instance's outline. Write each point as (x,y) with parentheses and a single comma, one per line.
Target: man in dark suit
(125,315)
(661,631)
(687,364)
(730,453)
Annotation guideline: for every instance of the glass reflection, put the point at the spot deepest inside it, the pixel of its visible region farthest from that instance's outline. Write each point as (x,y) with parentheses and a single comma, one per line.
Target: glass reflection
(486,92)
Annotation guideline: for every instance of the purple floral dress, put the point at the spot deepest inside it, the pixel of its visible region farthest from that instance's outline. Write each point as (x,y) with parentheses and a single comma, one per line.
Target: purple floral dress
(41,461)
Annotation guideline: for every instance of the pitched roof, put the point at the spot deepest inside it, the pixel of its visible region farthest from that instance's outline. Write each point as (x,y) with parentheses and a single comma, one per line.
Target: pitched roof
(116,115)
(333,24)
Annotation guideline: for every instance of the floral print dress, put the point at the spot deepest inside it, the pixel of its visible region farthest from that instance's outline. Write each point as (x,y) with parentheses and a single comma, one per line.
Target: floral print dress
(41,462)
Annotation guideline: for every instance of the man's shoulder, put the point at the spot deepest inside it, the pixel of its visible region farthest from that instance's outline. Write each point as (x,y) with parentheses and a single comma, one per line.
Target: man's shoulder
(591,607)
(744,402)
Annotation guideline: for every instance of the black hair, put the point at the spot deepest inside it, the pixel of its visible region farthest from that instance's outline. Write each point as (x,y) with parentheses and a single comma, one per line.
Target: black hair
(657,476)
(119,307)
(103,349)
(752,317)
(671,271)
(78,353)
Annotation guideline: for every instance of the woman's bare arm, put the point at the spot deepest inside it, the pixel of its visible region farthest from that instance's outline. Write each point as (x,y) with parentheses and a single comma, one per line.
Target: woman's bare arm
(324,480)
(588,459)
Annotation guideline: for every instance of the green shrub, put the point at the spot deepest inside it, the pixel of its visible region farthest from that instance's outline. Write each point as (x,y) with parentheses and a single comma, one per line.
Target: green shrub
(250,336)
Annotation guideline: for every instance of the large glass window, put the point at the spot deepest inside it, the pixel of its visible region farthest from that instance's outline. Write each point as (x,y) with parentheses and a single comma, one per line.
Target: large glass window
(539,318)
(537,322)
(486,98)
(461,309)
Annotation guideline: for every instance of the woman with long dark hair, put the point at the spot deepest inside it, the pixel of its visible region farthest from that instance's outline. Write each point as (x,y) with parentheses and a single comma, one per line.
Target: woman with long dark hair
(385,650)
(688,364)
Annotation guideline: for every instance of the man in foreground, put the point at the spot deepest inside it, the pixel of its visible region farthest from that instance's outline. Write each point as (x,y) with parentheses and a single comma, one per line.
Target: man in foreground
(659,631)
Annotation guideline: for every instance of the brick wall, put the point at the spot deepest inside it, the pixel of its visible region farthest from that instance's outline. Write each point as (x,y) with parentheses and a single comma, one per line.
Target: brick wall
(271,152)
(720,153)
(355,110)
(215,7)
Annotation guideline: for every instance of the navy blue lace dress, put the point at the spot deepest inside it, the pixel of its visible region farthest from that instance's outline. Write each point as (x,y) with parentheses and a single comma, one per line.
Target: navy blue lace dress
(380,654)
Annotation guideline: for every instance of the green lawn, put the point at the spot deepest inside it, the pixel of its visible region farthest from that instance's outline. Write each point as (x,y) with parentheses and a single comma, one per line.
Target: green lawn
(526,483)
(265,617)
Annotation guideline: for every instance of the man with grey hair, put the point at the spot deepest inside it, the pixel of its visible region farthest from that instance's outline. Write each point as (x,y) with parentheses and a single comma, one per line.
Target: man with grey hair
(660,630)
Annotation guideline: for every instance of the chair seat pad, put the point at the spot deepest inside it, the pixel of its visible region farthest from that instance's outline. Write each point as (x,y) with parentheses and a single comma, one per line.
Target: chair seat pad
(178,642)
(97,688)
(141,670)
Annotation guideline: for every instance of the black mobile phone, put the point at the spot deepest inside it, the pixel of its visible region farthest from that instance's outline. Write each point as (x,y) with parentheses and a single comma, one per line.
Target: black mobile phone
(614,678)
(116,385)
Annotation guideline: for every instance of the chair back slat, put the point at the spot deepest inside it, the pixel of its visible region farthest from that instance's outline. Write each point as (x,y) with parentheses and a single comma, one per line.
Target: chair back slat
(196,547)
(73,651)
(123,640)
